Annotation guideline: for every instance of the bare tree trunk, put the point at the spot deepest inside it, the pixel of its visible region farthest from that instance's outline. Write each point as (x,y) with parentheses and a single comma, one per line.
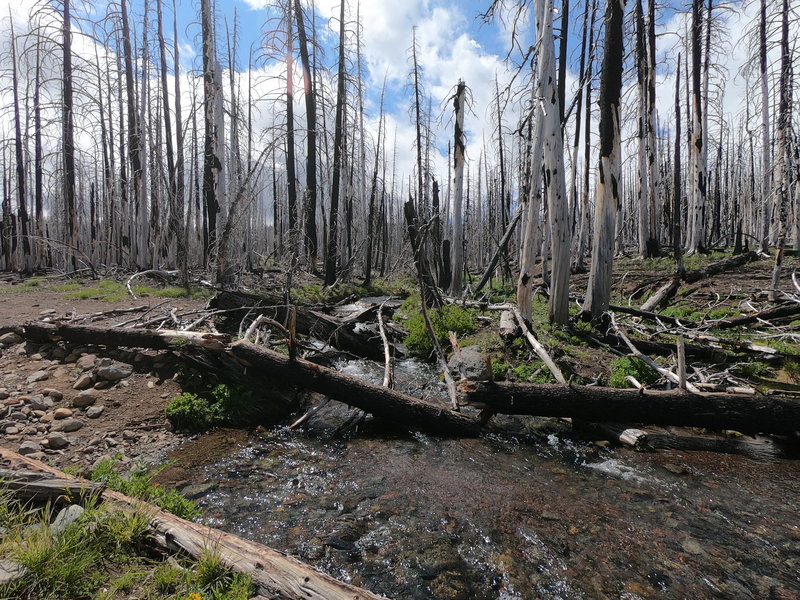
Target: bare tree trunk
(178,225)
(766,171)
(331,258)
(68,140)
(598,294)
(20,158)
(697,185)
(677,244)
(311,140)
(783,134)
(291,175)
(587,149)
(457,268)
(373,192)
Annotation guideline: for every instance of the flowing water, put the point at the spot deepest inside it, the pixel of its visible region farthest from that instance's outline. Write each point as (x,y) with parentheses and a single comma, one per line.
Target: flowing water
(536,513)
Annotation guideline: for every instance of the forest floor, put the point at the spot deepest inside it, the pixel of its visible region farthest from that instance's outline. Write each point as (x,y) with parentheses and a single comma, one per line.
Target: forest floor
(37,382)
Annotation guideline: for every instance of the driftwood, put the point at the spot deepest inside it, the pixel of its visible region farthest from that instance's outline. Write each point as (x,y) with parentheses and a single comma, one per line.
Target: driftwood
(663,294)
(748,414)
(339,333)
(275,574)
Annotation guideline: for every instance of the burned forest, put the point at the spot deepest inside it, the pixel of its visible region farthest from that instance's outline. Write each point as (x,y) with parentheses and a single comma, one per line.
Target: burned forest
(482,300)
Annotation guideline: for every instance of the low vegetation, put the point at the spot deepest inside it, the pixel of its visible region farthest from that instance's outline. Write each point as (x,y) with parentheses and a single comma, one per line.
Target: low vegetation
(105,553)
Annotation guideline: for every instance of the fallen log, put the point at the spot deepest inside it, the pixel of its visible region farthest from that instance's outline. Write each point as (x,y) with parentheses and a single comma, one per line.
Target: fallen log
(30,485)
(720,267)
(274,369)
(275,574)
(339,333)
(117,336)
(778,312)
(668,290)
(379,401)
(747,414)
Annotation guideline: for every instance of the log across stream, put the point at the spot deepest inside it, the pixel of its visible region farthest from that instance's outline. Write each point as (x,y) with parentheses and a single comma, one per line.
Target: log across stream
(746,413)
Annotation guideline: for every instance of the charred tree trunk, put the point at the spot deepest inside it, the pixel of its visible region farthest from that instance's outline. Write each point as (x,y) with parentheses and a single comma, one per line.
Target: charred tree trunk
(608,181)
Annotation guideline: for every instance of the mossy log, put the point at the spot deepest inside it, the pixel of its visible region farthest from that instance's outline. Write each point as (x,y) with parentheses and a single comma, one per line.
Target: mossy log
(275,574)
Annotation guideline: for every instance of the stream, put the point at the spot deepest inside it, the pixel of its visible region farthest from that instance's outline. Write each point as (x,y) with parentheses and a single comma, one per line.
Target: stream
(527,511)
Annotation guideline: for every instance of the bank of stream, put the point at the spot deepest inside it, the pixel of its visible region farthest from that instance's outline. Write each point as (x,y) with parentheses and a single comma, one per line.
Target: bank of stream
(530,511)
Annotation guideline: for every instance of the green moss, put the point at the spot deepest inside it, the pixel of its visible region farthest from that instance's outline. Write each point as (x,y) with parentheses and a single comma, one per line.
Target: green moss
(535,372)
(630,365)
(500,370)
(723,312)
(449,318)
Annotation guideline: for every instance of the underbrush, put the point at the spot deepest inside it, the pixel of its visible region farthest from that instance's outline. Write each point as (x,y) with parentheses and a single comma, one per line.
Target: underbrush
(105,555)
(221,405)
(106,552)
(139,484)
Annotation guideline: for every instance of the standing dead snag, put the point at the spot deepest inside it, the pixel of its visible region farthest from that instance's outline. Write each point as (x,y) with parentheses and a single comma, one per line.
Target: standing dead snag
(457,269)
(609,182)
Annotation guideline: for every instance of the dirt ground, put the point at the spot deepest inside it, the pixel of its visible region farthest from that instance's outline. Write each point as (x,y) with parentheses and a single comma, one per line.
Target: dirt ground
(37,394)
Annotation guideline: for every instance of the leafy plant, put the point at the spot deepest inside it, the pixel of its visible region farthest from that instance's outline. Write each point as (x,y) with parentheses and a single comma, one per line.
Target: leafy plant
(225,405)
(630,365)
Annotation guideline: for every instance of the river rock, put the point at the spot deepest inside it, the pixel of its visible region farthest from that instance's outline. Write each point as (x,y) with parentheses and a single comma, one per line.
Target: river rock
(103,384)
(691,546)
(66,517)
(40,403)
(67,425)
(86,398)
(94,412)
(57,441)
(10,338)
(114,372)
(29,447)
(129,436)
(84,382)
(86,362)
(11,571)
(37,376)
(11,430)
(3,394)
(18,415)
(53,393)
(474,364)
(62,413)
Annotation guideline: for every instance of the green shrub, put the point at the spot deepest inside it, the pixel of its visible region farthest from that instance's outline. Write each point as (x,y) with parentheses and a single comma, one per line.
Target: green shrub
(193,413)
(196,413)
(448,318)
(630,365)
(753,369)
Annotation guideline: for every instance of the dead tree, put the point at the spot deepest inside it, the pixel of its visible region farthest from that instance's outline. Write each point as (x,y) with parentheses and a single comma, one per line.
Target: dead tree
(609,183)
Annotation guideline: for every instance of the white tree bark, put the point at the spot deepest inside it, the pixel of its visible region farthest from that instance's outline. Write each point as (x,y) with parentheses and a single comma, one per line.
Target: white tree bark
(457,250)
